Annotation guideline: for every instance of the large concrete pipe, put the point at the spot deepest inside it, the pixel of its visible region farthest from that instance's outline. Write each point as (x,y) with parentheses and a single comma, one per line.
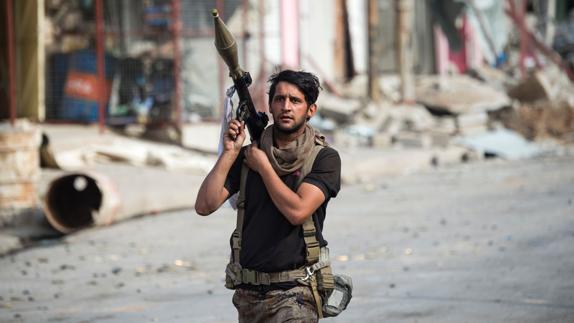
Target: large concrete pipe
(79,200)
(113,193)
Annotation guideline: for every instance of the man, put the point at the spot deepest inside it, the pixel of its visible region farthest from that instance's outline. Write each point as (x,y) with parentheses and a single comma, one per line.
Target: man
(275,207)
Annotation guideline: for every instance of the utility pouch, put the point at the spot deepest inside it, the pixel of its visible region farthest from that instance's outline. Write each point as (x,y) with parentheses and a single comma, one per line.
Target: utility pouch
(325,282)
(335,290)
(336,301)
(232,275)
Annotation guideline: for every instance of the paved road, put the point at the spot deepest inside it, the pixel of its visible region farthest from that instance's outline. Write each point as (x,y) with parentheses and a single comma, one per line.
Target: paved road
(484,242)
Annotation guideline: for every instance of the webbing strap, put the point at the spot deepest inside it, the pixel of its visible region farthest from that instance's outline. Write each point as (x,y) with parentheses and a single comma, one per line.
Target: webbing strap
(259,278)
(237,233)
(311,242)
(317,297)
(309,230)
(309,235)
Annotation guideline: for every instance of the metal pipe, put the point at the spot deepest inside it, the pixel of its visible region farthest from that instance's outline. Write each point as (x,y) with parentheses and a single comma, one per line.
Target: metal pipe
(176,31)
(523,38)
(404,9)
(100,47)
(373,57)
(11,61)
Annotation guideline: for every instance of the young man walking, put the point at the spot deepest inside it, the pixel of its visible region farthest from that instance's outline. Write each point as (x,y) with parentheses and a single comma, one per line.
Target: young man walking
(271,245)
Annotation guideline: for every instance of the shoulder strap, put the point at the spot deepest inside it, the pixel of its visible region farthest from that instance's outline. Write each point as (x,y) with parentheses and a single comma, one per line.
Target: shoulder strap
(238,232)
(309,233)
(309,230)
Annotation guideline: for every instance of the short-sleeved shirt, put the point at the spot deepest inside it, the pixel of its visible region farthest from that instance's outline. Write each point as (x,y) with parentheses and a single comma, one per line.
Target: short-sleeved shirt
(269,242)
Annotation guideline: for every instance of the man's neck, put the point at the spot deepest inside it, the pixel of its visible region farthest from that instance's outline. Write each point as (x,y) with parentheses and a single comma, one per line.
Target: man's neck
(282,139)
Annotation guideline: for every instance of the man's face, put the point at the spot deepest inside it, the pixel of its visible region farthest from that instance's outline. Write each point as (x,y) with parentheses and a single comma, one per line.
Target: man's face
(289,108)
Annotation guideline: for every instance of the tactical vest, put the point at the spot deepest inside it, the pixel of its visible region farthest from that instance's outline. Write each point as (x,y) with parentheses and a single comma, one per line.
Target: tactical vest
(317,270)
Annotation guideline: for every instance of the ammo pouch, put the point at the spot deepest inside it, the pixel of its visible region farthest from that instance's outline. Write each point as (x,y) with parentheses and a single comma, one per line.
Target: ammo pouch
(340,296)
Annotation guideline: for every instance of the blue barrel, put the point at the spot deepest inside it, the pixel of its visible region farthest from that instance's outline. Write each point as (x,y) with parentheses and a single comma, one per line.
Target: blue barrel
(81,92)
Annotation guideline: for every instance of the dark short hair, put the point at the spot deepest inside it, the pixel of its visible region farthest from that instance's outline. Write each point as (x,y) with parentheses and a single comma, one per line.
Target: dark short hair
(306,82)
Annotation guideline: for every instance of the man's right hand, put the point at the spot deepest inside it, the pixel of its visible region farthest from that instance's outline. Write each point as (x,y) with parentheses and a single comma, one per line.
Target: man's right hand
(235,136)
(212,192)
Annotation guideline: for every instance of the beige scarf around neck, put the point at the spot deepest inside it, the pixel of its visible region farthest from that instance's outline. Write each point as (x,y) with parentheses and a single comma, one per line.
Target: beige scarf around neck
(289,159)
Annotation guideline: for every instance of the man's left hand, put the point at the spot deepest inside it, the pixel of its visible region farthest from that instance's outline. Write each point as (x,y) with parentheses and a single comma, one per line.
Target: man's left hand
(256,158)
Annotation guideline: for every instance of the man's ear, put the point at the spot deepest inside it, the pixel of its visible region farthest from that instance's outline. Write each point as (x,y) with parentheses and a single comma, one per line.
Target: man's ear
(311,110)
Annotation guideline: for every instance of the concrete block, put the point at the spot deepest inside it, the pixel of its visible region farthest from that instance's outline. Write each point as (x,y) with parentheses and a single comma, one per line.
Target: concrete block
(458,94)
(445,125)
(339,109)
(439,139)
(412,140)
(413,117)
(382,140)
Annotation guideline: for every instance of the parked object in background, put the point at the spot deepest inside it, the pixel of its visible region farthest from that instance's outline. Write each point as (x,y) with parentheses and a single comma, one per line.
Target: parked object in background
(81,90)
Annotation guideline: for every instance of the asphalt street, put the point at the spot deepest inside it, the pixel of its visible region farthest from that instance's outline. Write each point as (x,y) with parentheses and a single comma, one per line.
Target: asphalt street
(488,241)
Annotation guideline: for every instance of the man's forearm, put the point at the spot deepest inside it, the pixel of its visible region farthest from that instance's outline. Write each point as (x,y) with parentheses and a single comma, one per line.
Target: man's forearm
(289,203)
(212,193)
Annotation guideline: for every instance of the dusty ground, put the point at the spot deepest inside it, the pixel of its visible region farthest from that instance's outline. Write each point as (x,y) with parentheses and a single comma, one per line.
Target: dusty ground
(482,242)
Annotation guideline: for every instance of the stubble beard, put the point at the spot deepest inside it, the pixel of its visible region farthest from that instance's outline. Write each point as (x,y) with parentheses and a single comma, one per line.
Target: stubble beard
(291,130)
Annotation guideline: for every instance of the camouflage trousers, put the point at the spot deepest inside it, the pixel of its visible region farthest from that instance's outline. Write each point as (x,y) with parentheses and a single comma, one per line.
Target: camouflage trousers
(276,306)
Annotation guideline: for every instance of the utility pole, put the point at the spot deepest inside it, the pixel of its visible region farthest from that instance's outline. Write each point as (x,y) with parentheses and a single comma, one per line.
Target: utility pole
(100,64)
(404,10)
(176,38)
(373,58)
(11,60)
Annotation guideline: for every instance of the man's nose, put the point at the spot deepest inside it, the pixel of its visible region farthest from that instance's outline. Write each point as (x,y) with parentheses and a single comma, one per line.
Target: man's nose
(286,104)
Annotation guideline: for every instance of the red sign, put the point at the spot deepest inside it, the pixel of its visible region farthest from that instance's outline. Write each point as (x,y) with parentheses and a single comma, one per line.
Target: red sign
(85,86)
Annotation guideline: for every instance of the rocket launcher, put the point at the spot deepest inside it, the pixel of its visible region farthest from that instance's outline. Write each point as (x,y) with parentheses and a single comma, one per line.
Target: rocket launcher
(226,46)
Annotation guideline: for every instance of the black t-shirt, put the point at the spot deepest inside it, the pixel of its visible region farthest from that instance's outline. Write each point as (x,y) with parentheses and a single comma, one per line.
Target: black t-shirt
(269,242)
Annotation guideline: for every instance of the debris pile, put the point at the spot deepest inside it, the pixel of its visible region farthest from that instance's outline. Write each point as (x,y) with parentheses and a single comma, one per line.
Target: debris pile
(544,107)
(485,113)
